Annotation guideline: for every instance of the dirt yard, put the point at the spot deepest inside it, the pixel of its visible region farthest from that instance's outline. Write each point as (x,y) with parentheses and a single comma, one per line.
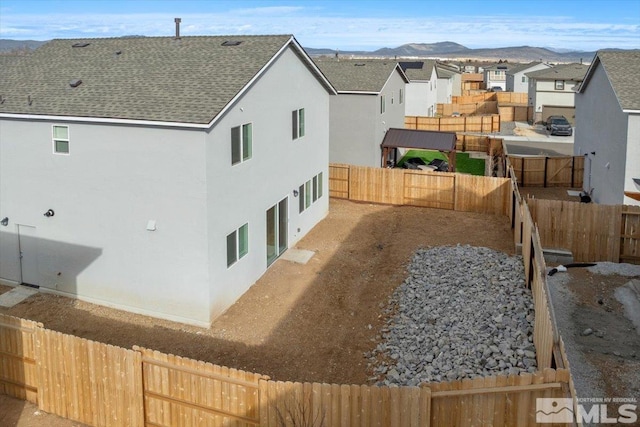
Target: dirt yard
(308,322)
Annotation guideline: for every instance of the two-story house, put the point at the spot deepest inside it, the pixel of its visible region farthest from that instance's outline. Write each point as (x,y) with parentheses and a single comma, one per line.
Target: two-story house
(160,175)
(551,91)
(449,83)
(495,76)
(422,90)
(517,80)
(608,135)
(370,100)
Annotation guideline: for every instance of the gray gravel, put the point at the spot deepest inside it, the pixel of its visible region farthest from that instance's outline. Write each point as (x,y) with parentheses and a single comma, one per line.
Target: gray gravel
(462,312)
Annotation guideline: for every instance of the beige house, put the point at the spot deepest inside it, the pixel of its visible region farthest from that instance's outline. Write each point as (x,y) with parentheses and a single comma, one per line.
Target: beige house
(552,91)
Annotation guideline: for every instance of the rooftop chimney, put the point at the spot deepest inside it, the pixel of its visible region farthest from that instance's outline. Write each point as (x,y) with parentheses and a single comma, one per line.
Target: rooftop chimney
(178,20)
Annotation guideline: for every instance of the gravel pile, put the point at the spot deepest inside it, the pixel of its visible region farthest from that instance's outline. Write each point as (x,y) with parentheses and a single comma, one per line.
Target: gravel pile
(463,312)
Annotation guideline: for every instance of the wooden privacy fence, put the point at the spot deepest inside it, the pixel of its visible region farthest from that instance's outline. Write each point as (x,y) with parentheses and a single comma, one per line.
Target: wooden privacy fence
(515,113)
(451,191)
(519,98)
(485,124)
(545,171)
(103,385)
(477,108)
(545,332)
(592,232)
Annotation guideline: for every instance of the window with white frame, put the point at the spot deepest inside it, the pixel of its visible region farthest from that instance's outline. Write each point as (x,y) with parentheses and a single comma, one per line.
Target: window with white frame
(241,141)
(297,123)
(401,96)
(383,104)
(524,79)
(60,139)
(559,84)
(310,192)
(237,244)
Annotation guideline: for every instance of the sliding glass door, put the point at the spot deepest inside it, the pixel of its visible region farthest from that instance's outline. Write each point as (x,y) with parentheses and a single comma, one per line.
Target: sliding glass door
(277,230)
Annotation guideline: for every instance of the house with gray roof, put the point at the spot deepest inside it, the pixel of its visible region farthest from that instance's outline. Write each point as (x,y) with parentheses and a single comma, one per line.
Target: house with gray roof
(422,90)
(370,100)
(517,80)
(496,75)
(449,83)
(551,91)
(160,175)
(608,127)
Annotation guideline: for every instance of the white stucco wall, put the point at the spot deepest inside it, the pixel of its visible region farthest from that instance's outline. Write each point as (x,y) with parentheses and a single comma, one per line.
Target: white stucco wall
(96,246)
(444,90)
(242,193)
(357,127)
(417,99)
(602,127)
(514,82)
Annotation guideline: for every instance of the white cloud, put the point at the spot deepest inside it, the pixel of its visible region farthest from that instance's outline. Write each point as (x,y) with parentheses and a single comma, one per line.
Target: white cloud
(336,32)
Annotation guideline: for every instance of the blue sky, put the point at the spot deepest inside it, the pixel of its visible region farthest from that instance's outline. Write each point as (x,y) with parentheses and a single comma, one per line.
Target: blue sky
(339,24)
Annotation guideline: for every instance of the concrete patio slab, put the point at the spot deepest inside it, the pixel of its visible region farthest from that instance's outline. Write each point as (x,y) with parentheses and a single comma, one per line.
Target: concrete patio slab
(16,295)
(300,256)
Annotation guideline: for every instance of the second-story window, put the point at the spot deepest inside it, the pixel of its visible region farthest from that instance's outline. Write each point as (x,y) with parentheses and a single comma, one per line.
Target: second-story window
(401,96)
(60,139)
(559,84)
(297,123)
(241,137)
(383,104)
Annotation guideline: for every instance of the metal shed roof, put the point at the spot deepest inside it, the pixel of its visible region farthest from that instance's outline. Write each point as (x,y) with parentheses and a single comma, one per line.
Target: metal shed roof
(422,139)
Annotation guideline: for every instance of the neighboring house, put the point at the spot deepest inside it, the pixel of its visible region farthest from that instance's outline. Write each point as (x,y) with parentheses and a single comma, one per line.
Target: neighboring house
(517,81)
(608,131)
(552,91)
(159,175)
(422,90)
(449,83)
(371,99)
(496,76)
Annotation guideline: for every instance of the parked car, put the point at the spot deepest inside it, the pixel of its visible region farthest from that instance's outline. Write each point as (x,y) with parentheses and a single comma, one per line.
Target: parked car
(559,125)
(496,89)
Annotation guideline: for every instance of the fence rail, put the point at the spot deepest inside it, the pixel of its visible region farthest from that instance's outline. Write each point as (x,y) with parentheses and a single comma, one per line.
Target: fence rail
(545,171)
(451,191)
(103,385)
(485,124)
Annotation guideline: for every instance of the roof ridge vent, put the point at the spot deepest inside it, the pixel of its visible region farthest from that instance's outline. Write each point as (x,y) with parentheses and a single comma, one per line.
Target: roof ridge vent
(231,42)
(81,44)
(359,64)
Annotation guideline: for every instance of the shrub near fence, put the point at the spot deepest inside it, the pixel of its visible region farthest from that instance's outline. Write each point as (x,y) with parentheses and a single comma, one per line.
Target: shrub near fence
(103,385)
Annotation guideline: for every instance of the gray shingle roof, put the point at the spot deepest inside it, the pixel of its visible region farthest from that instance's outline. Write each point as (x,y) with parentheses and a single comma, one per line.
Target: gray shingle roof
(418,70)
(623,70)
(573,72)
(361,75)
(522,67)
(189,80)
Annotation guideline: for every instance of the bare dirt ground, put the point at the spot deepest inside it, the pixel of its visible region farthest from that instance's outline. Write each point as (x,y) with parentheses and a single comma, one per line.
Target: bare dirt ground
(606,362)
(552,193)
(308,322)
(18,413)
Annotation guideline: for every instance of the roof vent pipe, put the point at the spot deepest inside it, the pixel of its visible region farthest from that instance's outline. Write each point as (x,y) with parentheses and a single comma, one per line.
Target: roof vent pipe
(178,21)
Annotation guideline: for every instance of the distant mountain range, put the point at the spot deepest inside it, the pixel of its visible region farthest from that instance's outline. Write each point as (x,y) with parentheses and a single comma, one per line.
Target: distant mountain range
(444,50)
(451,50)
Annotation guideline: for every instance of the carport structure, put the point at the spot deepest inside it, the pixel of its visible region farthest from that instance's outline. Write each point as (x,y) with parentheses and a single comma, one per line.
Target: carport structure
(445,142)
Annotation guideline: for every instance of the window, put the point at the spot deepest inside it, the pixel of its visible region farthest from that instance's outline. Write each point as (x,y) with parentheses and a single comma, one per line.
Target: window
(237,244)
(382,104)
(309,192)
(559,84)
(297,123)
(401,97)
(524,79)
(61,139)
(241,137)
